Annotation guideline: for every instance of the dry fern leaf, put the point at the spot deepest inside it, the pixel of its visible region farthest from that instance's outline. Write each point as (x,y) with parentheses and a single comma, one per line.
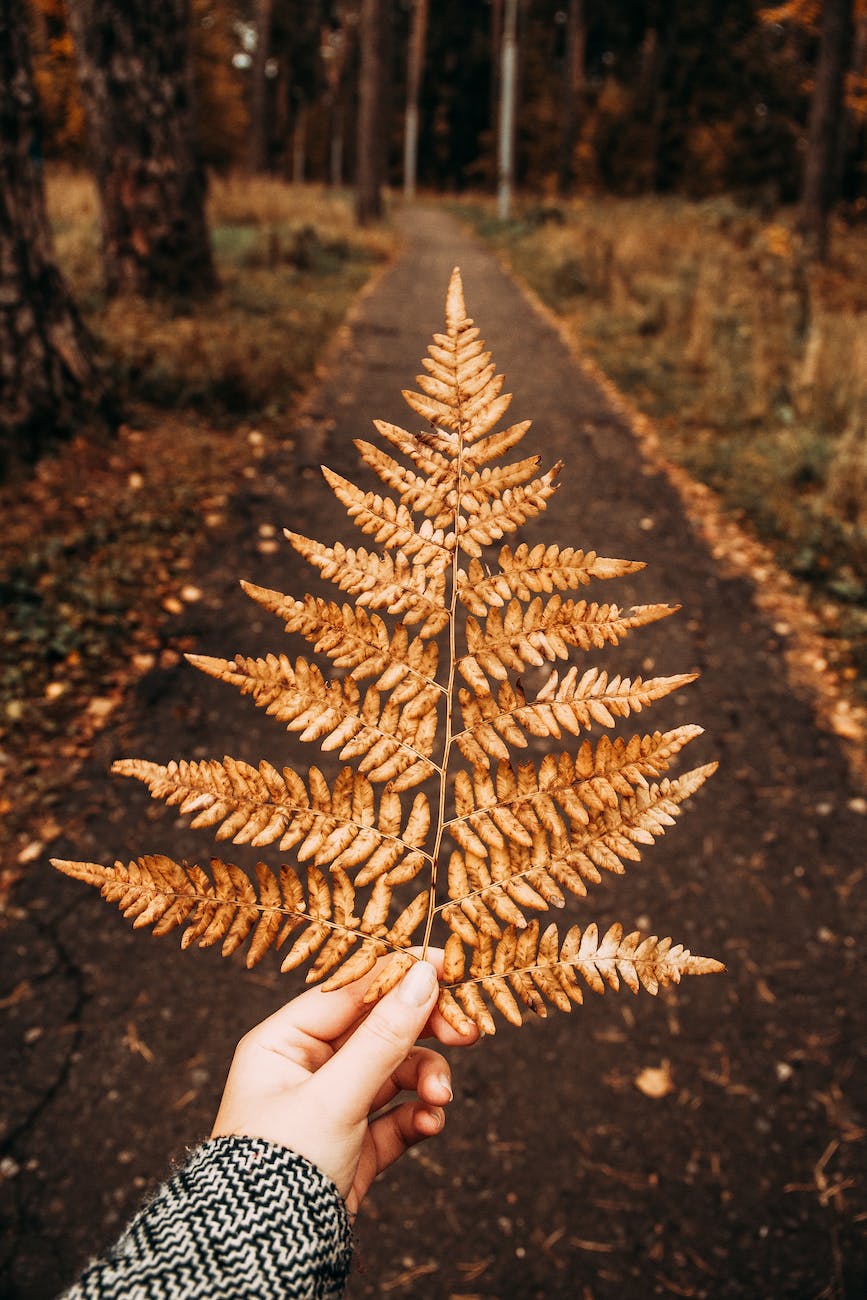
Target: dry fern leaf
(497,839)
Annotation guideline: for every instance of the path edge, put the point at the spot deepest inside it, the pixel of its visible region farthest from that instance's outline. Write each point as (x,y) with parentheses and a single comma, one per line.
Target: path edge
(807,649)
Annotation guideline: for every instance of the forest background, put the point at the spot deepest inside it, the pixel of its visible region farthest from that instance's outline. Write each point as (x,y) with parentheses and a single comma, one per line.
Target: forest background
(192,195)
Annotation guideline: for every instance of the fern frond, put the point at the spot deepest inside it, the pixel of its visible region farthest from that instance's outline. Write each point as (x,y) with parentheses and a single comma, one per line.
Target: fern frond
(495,888)
(527,572)
(574,704)
(522,837)
(339,827)
(356,640)
(225,907)
(447,485)
(390,524)
(505,513)
(524,968)
(516,804)
(414,591)
(520,637)
(393,741)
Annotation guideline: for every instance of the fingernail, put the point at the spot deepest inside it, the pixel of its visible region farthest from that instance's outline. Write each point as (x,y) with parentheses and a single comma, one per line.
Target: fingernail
(445,1082)
(418,984)
(438,1116)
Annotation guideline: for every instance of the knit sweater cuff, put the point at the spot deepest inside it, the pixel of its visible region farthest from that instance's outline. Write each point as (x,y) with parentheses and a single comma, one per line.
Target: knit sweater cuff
(242,1218)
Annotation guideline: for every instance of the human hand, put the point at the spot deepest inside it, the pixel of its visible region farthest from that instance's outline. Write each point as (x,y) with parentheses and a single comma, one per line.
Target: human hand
(313,1076)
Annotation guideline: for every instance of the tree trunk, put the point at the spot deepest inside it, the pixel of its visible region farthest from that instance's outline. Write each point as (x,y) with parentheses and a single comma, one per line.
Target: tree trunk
(335,144)
(415,66)
(134,65)
(496,33)
(299,144)
(48,379)
(827,119)
(336,50)
(573,85)
(506,129)
(259,151)
(371,146)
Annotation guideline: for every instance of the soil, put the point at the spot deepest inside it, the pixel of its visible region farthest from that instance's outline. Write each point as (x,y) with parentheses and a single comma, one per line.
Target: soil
(707,1143)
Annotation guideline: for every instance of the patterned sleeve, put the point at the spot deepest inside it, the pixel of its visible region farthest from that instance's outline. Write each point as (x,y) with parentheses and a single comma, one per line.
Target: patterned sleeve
(243,1218)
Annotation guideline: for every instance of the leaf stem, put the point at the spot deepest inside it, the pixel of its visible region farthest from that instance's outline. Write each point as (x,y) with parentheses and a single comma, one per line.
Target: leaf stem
(450,684)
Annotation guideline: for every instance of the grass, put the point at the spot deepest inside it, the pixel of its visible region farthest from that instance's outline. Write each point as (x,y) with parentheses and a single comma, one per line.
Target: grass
(100,539)
(289,259)
(752,367)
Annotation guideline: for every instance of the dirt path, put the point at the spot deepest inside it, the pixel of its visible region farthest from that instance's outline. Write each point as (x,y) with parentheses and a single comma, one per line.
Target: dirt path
(558,1176)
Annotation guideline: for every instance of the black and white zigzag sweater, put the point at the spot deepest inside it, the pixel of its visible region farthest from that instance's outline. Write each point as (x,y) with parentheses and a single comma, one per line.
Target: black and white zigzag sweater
(242,1219)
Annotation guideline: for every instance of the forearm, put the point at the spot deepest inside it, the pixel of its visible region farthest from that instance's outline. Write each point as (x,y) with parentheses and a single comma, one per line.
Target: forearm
(242,1218)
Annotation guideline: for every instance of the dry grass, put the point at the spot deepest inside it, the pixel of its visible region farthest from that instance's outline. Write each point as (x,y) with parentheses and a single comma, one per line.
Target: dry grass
(289,260)
(753,368)
(88,596)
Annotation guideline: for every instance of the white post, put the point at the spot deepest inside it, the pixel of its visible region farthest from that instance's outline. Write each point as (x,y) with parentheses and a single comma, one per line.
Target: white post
(506,133)
(415,64)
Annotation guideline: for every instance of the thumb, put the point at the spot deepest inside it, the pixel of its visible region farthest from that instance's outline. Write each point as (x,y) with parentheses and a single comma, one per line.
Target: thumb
(356,1073)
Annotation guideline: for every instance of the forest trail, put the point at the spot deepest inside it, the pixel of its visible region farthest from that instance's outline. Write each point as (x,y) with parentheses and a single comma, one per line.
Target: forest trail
(705,1143)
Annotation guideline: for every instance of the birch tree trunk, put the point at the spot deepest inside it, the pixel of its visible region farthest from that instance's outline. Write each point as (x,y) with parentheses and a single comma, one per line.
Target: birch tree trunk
(415,66)
(48,379)
(134,66)
(506,129)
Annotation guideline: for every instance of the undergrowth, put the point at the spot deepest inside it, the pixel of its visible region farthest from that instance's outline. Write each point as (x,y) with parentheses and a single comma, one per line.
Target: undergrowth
(753,368)
(289,260)
(117,523)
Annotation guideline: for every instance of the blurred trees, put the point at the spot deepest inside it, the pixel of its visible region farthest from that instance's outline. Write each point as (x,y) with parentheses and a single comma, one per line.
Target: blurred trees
(137,85)
(826,129)
(414,69)
(48,380)
(695,96)
(373,86)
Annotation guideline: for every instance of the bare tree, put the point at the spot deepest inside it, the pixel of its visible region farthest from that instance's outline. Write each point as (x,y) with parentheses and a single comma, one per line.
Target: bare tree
(415,66)
(259,87)
(48,379)
(134,67)
(827,123)
(573,84)
(371,149)
(336,49)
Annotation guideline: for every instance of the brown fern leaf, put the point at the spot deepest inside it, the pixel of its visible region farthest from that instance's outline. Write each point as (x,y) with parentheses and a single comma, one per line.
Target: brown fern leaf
(522,968)
(521,837)
(522,637)
(493,888)
(356,640)
(527,572)
(396,584)
(338,827)
(392,740)
(574,704)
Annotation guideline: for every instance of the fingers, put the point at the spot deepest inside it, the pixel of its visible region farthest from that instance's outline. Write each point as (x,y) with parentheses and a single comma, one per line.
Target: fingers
(423,1071)
(393,1134)
(328,1016)
(353,1078)
(438,1027)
